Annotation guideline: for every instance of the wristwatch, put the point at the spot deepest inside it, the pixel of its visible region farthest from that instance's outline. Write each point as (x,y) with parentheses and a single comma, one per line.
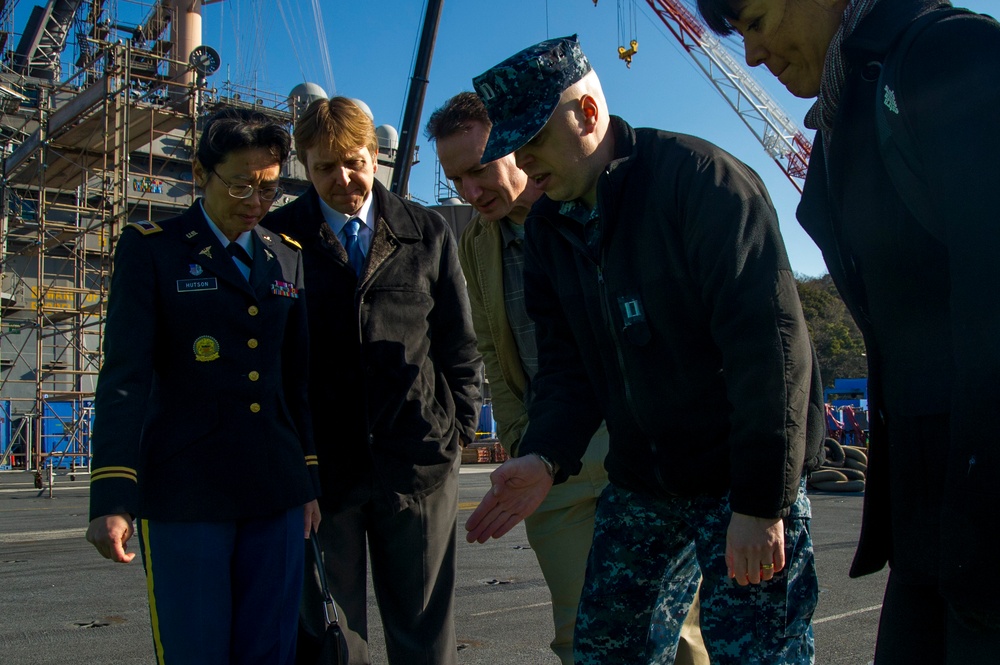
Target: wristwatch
(550,466)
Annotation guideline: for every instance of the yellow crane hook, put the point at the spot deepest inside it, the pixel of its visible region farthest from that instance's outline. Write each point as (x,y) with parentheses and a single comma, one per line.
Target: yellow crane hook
(627,53)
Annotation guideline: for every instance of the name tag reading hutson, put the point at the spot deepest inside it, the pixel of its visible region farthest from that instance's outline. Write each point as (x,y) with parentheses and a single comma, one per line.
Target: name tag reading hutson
(204,284)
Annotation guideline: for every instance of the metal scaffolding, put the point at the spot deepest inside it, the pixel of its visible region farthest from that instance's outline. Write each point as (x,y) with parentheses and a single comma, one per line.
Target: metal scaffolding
(81,158)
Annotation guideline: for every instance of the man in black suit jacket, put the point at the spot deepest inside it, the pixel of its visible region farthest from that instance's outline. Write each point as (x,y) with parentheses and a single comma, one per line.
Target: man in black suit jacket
(395,387)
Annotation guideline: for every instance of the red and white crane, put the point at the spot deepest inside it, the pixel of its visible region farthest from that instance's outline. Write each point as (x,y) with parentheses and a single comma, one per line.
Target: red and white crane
(781,138)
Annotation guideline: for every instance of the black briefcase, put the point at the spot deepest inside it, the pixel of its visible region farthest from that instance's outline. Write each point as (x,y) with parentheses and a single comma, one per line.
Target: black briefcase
(329,647)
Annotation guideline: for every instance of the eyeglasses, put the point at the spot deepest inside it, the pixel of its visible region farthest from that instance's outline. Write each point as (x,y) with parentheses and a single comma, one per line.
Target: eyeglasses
(246,191)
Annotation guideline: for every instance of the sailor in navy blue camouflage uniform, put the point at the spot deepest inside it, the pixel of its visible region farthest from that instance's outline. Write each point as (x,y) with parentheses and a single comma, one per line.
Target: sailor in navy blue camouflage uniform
(202,430)
(661,292)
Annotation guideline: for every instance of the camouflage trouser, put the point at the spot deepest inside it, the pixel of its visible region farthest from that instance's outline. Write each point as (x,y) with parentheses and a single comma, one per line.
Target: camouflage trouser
(643,544)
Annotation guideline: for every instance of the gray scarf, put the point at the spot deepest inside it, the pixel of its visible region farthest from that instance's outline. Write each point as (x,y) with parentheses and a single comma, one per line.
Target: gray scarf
(823,112)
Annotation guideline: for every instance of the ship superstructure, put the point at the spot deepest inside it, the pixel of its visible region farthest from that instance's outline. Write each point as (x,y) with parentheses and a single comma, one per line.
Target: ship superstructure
(92,137)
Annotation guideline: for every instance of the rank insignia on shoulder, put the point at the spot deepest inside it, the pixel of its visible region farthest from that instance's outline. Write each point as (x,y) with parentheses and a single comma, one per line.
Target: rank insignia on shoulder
(286,289)
(206,252)
(291,241)
(146,228)
(206,348)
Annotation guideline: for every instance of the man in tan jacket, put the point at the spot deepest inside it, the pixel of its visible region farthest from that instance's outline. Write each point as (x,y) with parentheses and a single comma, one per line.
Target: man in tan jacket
(561,530)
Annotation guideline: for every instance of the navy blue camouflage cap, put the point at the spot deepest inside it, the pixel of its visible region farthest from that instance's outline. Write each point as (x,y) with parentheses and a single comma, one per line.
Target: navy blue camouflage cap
(522,92)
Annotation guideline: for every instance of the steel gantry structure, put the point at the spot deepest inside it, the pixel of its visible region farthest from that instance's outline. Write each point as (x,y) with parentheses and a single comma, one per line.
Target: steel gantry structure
(780,136)
(81,156)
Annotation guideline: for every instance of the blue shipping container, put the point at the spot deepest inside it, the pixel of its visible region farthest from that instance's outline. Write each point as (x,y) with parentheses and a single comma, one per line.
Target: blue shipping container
(5,431)
(66,429)
(847,392)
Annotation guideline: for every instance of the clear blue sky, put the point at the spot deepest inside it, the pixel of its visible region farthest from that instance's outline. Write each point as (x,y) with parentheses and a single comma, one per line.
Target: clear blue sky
(371,46)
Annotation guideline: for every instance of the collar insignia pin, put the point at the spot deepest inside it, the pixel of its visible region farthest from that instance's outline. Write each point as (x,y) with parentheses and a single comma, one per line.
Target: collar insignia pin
(206,252)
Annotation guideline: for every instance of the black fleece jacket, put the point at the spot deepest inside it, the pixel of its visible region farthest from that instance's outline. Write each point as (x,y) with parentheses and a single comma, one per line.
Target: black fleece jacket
(678,323)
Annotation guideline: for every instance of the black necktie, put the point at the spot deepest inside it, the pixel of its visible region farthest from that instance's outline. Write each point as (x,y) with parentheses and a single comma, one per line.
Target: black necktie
(237,252)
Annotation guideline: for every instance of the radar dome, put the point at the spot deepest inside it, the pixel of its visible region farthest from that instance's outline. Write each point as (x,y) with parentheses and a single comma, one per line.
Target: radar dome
(363,107)
(388,137)
(305,94)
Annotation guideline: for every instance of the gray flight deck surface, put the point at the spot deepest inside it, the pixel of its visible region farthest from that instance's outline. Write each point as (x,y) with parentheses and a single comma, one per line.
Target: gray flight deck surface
(62,604)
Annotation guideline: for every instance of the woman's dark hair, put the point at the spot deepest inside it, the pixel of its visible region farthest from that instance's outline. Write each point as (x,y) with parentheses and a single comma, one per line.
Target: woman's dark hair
(717,14)
(232,129)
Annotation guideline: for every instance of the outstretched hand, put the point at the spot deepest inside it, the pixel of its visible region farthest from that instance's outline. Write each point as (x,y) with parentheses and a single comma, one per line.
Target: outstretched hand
(519,486)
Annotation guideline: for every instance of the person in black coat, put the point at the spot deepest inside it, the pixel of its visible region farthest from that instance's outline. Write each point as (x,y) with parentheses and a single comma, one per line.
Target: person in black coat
(202,429)
(920,280)
(395,388)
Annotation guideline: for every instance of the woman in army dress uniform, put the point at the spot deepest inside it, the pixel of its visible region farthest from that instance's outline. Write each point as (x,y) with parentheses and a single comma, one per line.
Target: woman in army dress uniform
(201,428)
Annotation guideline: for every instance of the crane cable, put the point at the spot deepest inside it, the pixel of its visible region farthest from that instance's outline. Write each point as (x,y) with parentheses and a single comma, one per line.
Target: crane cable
(299,23)
(291,38)
(261,33)
(296,28)
(324,45)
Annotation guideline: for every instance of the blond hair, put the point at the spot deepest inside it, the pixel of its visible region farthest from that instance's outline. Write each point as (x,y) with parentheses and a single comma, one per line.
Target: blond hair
(337,124)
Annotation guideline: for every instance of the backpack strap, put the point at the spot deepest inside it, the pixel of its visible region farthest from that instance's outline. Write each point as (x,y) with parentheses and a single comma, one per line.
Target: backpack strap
(896,145)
